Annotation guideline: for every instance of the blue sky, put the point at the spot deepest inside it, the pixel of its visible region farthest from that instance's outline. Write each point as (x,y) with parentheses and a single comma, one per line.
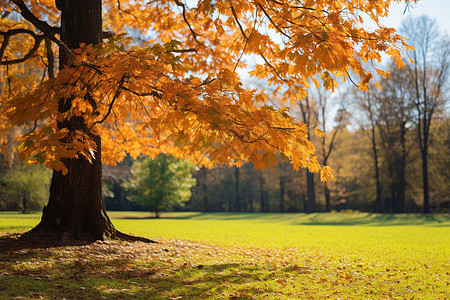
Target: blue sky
(436,9)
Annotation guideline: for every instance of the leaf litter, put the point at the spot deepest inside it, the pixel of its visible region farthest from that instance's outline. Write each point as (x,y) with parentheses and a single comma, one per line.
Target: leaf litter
(180,269)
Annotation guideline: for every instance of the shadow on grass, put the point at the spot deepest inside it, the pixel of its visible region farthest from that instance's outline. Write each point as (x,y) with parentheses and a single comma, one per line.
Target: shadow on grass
(29,240)
(120,279)
(115,280)
(165,216)
(372,219)
(343,219)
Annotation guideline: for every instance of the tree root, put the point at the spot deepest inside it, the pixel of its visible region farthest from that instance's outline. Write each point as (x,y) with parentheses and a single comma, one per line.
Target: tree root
(132,238)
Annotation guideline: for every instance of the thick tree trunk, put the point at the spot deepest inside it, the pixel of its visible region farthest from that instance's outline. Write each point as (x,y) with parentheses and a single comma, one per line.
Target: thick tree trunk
(76,205)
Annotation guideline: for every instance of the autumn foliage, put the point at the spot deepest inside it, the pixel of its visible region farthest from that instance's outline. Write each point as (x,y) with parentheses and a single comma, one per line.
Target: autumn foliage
(167,77)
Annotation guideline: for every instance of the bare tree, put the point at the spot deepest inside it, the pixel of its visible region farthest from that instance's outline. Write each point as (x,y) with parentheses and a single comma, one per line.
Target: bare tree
(429,75)
(328,141)
(368,108)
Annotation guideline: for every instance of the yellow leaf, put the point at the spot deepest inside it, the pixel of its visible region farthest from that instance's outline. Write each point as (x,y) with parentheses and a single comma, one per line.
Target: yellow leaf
(363,84)
(325,174)
(319,132)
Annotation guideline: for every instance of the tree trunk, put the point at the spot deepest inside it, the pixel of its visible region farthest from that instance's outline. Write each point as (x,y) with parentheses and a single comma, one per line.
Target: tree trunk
(426,195)
(26,199)
(378,203)
(311,202)
(393,189)
(282,177)
(424,154)
(327,197)
(76,204)
(237,190)
(118,198)
(205,198)
(261,192)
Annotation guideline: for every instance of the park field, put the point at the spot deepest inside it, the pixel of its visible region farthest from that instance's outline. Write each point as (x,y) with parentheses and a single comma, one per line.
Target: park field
(238,256)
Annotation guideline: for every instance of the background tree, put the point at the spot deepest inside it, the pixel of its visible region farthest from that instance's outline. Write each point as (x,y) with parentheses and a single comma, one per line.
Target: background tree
(328,144)
(365,105)
(161,183)
(309,115)
(439,163)
(24,187)
(115,179)
(177,93)
(429,75)
(393,120)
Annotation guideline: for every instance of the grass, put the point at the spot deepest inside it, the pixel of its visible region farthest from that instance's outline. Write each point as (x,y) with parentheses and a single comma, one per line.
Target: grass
(241,256)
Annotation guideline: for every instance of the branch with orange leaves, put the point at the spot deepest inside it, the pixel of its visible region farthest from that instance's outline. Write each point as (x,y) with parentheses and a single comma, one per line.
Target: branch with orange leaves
(12,32)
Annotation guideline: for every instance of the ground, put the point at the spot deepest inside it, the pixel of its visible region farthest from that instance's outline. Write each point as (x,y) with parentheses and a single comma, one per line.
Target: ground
(183,269)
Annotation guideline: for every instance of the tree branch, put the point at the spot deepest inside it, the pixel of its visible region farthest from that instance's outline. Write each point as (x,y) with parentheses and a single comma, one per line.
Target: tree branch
(6,35)
(194,34)
(48,30)
(273,23)
(50,59)
(116,95)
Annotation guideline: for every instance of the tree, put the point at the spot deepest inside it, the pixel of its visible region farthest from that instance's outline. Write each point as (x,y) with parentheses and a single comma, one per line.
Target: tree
(365,104)
(178,91)
(161,183)
(429,74)
(308,109)
(328,145)
(25,187)
(394,119)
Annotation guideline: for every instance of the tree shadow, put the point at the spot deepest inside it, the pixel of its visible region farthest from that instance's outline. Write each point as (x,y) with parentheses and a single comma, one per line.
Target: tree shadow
(342,219)
(120,270)
(38,240)
(376,219)
(87,280)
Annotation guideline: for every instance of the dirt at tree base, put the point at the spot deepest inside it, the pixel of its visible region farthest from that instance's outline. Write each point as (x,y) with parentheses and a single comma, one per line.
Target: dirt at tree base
(47,245)
(41,240)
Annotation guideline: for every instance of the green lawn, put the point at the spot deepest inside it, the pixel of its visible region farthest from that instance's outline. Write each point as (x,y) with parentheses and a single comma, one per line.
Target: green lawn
(243,256)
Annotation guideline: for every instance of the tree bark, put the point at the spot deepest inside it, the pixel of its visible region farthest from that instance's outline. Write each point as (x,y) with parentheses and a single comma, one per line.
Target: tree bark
(282,185)
(378,203)
(76,206)
(423,140)
(426,194)
(262,192)
(237,189)
(327,197)
(311,202)
(26,199)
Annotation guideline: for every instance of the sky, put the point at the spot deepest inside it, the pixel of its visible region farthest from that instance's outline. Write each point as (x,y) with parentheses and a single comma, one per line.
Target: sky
(435,9)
